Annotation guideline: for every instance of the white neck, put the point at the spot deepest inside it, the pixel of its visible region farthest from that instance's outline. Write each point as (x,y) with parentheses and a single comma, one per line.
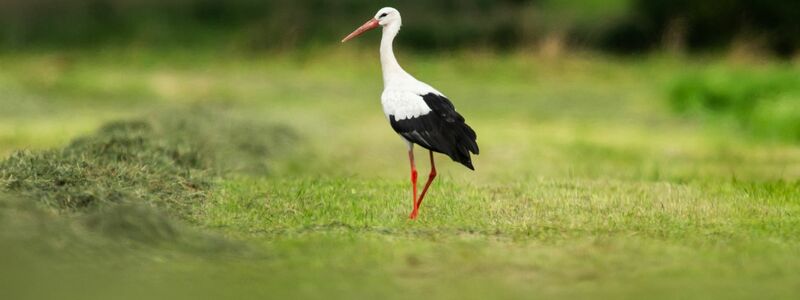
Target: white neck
(391,69)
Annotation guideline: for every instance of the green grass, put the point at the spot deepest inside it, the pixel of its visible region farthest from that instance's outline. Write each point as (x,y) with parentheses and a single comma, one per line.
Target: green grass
(763,101)
(588,186)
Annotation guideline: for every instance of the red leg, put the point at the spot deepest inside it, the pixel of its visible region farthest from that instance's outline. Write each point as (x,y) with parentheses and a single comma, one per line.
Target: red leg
(413,180)
(431,176)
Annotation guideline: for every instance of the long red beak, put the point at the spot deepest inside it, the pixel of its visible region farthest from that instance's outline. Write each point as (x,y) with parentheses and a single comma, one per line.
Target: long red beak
(371,24)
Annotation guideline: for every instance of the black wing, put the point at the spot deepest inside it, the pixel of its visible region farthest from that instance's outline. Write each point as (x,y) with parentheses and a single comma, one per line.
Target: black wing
(442,130)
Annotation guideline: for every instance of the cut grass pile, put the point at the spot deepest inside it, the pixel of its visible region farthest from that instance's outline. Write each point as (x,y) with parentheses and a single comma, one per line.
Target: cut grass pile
(166,160)
(132,177)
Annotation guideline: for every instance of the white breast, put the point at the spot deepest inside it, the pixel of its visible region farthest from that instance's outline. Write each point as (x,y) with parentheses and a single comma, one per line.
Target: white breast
(403,104)
(403,99)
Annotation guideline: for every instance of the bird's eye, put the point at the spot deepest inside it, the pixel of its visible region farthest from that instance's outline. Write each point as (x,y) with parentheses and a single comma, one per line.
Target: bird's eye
(383,15)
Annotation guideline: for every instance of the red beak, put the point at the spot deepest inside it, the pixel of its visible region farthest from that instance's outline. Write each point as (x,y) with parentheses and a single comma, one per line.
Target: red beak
(371,24)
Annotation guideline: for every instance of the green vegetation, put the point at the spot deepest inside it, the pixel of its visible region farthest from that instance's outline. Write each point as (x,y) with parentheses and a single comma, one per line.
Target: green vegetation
(623,26)
(765,101)
(271,177)
(768,25)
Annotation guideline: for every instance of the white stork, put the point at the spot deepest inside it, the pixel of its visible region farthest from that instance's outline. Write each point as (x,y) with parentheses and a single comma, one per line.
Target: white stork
(417,112)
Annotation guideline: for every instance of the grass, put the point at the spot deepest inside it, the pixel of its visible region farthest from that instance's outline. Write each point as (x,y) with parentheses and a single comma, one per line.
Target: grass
(763,101)
(162,160)
(588,186)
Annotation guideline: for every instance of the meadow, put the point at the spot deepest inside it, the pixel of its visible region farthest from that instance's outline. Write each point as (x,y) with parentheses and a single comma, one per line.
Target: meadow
(218,174)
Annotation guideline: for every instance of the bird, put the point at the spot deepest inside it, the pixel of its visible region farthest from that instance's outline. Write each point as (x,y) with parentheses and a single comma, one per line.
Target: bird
(420,114)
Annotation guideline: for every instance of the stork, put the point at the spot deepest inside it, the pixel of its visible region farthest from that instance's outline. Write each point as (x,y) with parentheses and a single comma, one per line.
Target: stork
(420,114)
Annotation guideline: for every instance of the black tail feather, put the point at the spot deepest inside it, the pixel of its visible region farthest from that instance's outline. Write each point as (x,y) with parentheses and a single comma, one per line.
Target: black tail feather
(464,142)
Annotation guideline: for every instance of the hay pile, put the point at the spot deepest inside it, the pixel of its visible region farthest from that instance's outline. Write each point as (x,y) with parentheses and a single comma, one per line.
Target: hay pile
(131,179)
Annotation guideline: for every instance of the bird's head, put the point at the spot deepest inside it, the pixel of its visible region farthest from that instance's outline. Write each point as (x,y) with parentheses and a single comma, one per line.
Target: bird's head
(386,16)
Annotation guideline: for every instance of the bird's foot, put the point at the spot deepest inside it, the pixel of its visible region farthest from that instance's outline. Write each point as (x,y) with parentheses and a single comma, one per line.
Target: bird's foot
(413,215)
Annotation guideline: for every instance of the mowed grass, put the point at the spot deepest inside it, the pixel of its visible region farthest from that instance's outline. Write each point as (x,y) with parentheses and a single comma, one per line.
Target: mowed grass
(586,186)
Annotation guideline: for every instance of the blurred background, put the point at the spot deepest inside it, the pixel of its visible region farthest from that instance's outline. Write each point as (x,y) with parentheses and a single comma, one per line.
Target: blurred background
(615,26)
(627,146)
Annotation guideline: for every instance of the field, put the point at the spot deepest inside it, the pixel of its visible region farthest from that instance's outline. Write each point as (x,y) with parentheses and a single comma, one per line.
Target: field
(588,184)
